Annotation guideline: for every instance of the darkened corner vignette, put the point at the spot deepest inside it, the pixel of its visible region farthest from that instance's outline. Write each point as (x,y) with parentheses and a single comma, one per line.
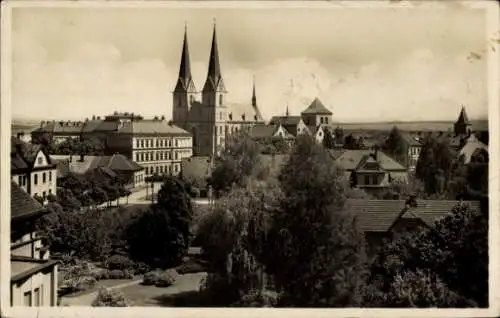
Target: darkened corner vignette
(228,156)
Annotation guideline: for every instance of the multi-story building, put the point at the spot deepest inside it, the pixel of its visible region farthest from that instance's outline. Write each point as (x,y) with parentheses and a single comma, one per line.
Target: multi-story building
(33,273)
(157,145)
(57,131)
(211,118)
(32,169)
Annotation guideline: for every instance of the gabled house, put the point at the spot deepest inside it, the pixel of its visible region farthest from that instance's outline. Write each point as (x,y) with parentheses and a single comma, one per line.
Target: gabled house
(371,170)
(117,165)
(293,124)
(271,132)
(32,169)
(382,220)
(33,273)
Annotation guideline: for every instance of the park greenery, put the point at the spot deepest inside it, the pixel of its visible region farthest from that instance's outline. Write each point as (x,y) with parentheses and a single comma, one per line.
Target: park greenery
(288,241)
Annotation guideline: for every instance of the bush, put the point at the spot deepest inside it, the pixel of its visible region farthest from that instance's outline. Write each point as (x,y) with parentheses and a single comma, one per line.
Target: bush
(141,268)
(191,267)
(150,278)
(256,299)
(100,273)
(120,274)
(119,262)
(167,278)
(110,298)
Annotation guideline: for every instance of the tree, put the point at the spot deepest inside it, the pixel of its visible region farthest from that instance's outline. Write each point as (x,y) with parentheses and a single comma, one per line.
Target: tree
(351,142)
(315,251)
(339,135)
(396,146)
(238,161)
(444,251)
(436,165)
(160,236)
(328,140)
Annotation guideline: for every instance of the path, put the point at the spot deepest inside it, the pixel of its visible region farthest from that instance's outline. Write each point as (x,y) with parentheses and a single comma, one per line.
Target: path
(88,298)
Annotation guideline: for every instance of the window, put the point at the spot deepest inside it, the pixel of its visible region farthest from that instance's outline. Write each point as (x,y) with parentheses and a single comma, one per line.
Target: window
(44,178)
(44,195)
(157,156)
(20,180)
(367,180)
(37,297)
(27,299)
(220,102)
(176,154)
(40,160)
(326,120)
(176,168)
(50,191)
(321,120)
(142,143)
(36,179)
(25,179)
(161,169)
(50,176)
(157,169)
(142,157)
(176,143)
(137,143)
(157,143)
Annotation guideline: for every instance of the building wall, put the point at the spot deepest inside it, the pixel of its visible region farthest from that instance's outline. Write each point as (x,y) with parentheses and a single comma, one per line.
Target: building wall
(317,119)
(120,143)
(45,282)
(21,180)
(163,154)
(413,155)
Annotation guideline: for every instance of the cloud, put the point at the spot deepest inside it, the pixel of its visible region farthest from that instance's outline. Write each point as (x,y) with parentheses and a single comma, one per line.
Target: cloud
(94,78)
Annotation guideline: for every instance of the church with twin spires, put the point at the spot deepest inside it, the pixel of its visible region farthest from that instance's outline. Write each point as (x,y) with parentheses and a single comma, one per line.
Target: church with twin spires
(208,115)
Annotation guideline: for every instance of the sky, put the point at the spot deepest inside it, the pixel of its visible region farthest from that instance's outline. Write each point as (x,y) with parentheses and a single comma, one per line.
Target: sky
(363,64)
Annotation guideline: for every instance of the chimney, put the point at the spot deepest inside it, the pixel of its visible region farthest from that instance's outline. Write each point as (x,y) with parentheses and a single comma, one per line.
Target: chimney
(82,157)
(70,158)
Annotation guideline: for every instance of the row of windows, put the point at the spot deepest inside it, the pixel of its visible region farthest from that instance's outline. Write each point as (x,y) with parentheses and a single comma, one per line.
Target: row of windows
(35,298)
(23,180)
(157,156)
(162,169)
(44,177)
(323,120)
(160,143)
(370,180)
(139,178)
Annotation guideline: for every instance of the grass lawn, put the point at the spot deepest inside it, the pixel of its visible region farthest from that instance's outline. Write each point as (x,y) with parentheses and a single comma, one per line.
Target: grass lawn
(101,283)
(182,293)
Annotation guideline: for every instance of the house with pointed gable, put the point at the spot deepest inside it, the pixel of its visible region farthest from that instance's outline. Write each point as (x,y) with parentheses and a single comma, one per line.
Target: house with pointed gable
(32,169)
(371,170)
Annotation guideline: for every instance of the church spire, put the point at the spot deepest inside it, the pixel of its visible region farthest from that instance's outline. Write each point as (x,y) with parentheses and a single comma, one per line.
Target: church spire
(254,96)
(185,80)
(287,114)
(214,78)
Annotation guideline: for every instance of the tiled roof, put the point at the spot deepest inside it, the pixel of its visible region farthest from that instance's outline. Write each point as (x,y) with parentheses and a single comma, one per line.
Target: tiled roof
(161,127)
(350,159)
(107,126)
(91,125)
(317,107)
(22,204)
(116,162)
(22,151)
(236,112)
(380,215)
(198,168)
(285,120)
(262,131)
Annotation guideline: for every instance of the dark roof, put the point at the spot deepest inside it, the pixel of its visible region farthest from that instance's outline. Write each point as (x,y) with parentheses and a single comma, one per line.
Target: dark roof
(380,215)
(22,204)
(116,162)
(154,126)
(214,80)
(350,159)
(285,120)
(91,125)
(462,117)
(185,81)
(268,131)
(23,154)
(317,107)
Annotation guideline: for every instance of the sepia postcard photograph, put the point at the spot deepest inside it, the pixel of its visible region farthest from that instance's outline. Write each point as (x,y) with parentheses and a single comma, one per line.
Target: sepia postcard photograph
(199,158)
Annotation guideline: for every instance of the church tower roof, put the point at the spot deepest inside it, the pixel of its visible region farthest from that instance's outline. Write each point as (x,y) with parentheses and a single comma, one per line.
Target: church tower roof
(214,80)
(254,102)
(462,118)
(185,81)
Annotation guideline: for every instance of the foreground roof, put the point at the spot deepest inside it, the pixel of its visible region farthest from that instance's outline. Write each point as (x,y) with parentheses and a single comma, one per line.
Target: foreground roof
(350,159)
(380,215)
(151,127)
(22,204)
